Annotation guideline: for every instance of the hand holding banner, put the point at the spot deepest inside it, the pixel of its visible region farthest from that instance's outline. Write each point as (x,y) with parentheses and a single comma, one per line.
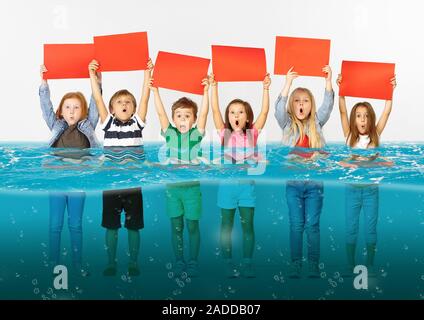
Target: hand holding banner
(307,56)
(122,52)
(180,72)
(238,64)
(367,80)
(65,61)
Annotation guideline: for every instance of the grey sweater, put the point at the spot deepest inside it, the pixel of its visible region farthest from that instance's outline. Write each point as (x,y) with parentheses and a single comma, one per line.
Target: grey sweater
(321,117)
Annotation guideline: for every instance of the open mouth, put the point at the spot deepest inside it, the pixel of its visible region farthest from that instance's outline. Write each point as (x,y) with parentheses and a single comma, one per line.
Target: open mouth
(301,110)
(124,110)
(237,123)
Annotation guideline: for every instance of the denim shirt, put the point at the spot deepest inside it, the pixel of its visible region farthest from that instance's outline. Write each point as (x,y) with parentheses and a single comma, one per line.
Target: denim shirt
(285,122)
(58,126)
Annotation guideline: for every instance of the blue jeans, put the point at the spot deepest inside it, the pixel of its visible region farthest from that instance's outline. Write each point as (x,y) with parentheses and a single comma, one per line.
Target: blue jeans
(75,203)
(304,200)
(363,197)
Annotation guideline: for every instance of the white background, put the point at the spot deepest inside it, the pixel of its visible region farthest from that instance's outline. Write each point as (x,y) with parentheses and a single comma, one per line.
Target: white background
(371,30)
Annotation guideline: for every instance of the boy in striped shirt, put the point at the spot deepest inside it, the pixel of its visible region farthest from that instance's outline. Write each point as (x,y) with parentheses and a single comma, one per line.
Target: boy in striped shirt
(123,142)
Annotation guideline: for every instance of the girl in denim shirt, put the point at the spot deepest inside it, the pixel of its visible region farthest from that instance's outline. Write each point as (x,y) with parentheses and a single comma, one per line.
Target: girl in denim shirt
(72,126)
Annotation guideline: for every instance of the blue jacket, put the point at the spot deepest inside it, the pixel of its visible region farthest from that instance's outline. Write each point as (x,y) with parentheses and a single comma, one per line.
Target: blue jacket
(58,126)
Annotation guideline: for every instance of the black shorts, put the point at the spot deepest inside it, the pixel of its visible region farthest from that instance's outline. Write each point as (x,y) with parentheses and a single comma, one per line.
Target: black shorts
(129,200)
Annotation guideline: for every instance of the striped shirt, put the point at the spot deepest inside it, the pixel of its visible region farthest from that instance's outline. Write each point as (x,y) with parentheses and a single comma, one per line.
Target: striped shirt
(123,134)
(125,154)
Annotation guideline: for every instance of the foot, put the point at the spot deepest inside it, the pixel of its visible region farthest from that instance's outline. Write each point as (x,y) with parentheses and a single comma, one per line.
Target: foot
(179,267)
(133,269)
(247,269)
(230,269)
(313,270)
(193,269)
(295,269)
(110,270)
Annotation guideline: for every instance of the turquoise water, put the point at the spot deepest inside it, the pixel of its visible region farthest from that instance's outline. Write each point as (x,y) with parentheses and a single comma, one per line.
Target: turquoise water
(29,171)
(30,167)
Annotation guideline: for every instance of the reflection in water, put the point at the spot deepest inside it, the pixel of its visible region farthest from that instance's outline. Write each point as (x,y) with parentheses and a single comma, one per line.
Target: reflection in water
(398,264)
(114,202)
(184,201)
(240,195)
(304,201)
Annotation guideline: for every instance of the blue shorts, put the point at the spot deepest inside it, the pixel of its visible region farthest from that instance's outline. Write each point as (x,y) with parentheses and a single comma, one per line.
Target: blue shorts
(240,193)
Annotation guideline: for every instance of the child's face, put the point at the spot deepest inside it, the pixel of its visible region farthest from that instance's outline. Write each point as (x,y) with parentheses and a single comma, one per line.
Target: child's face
(71,111)
(184,119)
(237,116)
(302,105)
(123,108)
(361,119)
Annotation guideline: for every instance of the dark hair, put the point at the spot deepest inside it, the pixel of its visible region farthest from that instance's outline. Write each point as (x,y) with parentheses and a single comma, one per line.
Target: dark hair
(353,136)
(249,121)
(117,94)
(184,103)
(247,108)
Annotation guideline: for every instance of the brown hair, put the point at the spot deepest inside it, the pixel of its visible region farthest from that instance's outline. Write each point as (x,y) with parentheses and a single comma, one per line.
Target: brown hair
(297,125)
(353,136)
(73,95)
(117,94)
(249,121)
(184,103)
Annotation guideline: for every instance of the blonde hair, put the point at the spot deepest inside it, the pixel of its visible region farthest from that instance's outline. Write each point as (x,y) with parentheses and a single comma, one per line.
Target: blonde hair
(73,95)
(297,125)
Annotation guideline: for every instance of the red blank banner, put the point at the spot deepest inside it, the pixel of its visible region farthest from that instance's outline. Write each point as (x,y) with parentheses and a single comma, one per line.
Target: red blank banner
(122,52)
(180,72)
(66,61)
(238,64)
(307,56)
(367,80)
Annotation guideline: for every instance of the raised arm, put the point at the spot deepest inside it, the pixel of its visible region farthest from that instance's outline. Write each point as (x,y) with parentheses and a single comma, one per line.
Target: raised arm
(280,105)
(386,112)
(260,122)
(144,100)
(203,116)
(163,118)
(95,89)
(328,78)
(343,111)
(291,75)
(217,116)
(324,112)
(49,115)
(93,114)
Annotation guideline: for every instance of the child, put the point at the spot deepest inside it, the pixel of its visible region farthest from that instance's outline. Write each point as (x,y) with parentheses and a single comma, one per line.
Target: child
(362,132)
(238,134)
(123,141)
(184,200)
(302,127)
(72,126)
